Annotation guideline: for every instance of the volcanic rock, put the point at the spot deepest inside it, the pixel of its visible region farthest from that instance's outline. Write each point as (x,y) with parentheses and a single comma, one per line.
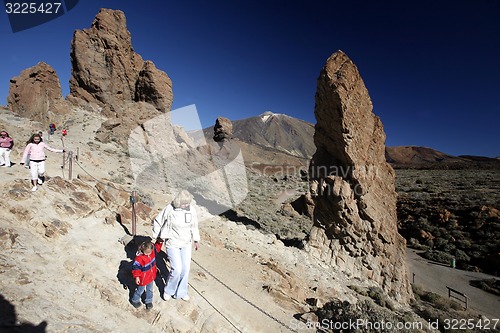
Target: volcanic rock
(105,67)
(223,129)
(223,132)
(110,77)
(352,186)
(151,87)
(36,94)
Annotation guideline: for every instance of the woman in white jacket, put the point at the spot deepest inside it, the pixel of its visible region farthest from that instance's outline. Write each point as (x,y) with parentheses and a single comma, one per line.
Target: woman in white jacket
(177,226)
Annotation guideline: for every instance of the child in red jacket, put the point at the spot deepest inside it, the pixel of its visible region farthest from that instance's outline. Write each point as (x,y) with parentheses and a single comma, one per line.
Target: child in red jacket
(144,272)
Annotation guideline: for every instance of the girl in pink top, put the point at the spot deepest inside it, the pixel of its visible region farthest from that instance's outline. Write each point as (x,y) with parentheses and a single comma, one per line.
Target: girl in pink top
(6,144)
(35,148)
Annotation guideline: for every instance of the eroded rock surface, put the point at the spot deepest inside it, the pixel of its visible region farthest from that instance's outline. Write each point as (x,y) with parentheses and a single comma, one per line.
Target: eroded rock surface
(108,76)
(36,94)
(355,224)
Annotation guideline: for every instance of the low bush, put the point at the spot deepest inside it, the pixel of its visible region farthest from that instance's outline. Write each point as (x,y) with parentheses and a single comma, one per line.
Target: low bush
(491,285)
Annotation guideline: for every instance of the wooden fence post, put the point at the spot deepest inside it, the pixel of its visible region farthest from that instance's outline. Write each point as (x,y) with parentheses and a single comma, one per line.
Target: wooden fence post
(464,299)
(134,217)
(70,165)
(64,153)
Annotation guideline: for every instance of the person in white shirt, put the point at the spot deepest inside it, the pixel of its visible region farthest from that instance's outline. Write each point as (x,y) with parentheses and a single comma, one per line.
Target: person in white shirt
(177,226)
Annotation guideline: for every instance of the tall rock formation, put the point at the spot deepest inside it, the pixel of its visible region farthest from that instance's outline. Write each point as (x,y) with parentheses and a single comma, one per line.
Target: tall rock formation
(352,186)
(223,129)
(109,76)
(36,94)
(223,133)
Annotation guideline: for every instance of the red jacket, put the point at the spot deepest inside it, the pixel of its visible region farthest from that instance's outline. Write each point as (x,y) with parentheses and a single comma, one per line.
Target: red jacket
(144,266)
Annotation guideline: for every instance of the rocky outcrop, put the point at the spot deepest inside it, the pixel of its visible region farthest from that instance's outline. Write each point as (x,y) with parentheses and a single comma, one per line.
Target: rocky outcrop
(223,129)
(352,186)
(152,86)
(36,94)
(223,132)
(110,77)
(117,129)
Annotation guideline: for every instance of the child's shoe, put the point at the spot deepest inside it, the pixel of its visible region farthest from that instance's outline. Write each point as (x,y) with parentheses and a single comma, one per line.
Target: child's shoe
(34,188)
(136,305)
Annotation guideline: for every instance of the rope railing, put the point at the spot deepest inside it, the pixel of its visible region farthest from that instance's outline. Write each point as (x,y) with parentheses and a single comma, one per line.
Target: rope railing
(243,298)
(133,201)
(215,308)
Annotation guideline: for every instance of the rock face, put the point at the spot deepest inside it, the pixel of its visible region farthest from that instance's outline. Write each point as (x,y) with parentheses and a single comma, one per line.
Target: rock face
(36,94)
(110,77)
(223,129)
(352,186)
(154,87)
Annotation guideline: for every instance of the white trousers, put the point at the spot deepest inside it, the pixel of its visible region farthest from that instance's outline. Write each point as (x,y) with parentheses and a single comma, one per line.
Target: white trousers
(5,156)
(180,263)
(37,169)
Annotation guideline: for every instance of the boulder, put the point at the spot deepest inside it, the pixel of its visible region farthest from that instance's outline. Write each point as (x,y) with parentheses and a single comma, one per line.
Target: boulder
(36,94)
(352,186)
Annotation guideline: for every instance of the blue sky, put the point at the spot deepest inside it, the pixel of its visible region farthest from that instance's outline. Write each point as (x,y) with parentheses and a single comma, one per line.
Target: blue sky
(432,68)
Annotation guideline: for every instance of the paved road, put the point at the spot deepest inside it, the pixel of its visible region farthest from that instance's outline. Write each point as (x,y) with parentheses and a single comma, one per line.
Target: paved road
(435,277)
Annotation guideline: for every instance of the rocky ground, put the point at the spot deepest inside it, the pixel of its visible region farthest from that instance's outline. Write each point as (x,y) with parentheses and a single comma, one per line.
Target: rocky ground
(64,257)
(67,248)
(67,251)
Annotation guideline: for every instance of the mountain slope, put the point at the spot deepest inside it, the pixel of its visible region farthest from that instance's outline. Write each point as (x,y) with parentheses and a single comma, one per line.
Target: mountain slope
(271,139)
(278,139)
(278,131)
(413,157)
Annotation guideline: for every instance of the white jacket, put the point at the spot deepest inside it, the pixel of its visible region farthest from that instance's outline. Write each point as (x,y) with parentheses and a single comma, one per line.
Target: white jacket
(178,227)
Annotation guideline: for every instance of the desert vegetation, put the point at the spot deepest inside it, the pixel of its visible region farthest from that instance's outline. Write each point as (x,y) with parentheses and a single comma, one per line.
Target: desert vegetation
(490,285)
(263,207)
(375,313)
(447,315)
(452,216)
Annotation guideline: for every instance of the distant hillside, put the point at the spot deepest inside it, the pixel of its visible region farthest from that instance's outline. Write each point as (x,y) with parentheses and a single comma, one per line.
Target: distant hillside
(278,131)
(272,139)
(277,139)
(412,157)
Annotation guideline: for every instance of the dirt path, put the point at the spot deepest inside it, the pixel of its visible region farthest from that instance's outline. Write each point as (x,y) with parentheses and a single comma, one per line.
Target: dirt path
(436,277)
